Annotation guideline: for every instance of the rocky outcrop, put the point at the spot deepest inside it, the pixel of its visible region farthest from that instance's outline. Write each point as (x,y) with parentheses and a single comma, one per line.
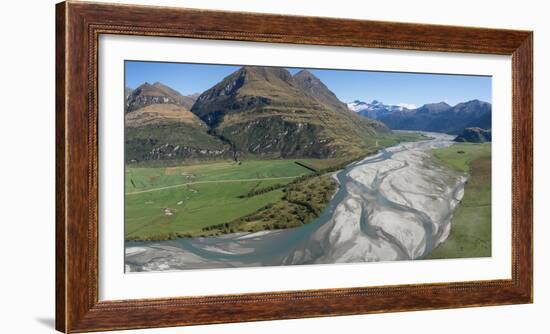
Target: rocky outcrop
(157,93)
(474,135)
(171,151)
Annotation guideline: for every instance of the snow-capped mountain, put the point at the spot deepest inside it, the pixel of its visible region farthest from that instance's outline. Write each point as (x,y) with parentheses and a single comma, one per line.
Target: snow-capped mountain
(441,117)
(375,109)
(438,117)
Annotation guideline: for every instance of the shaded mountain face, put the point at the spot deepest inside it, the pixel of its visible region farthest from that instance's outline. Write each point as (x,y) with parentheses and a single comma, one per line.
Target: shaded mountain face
(266,111)
(374,110)
(440,117)
(433,108)
(168,131)
(127,93)
(474,135)
(157,93)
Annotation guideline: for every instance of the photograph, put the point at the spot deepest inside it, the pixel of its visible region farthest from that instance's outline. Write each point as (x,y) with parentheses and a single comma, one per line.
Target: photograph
(275,167)
(230,166)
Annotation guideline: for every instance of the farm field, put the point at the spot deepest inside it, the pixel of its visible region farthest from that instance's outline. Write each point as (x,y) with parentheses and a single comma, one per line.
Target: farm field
(140,179)
(162,203)
(471,225)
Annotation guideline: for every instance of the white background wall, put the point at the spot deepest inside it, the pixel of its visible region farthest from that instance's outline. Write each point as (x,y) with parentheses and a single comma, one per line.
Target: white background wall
(27,165)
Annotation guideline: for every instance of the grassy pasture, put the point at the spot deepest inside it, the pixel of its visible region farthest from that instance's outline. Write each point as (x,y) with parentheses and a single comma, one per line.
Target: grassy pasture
(471,225)
(165,202)
(462,162)
(158,215)
(139,179)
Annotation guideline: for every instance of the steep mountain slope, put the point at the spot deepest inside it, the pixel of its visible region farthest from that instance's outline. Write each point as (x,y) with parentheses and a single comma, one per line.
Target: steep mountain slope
(194,97)
(265,111)
(165,131)
(441,117)
(156,114)
(157,93)
(316,88)
(127,93)
(474,135)
(477,113)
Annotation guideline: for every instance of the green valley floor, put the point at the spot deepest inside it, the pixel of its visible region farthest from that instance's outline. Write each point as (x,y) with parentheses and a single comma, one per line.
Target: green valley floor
(470,234)
(211,198)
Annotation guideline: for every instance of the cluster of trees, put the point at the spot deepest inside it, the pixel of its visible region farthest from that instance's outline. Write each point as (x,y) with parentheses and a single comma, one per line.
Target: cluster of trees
(299,179)
(256,192)
(300,204)
(225,227)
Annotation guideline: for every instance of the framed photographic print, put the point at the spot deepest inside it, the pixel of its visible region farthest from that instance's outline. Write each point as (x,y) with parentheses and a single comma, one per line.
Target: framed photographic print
(221,167)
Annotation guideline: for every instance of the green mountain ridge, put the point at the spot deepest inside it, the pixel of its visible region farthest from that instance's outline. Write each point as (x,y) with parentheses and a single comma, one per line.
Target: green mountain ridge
(169,131)
(266,111)
(262,112)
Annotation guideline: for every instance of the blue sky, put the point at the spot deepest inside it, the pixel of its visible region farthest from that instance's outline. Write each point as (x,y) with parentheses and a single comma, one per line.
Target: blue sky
(389,87)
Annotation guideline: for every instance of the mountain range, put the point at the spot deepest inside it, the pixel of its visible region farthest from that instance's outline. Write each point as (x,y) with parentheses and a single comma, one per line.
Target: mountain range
(268,112)
(438,117)
(255,111)
(374,109)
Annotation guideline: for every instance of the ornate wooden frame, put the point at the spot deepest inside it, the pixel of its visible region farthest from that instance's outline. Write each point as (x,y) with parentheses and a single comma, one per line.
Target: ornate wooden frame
(78,25)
